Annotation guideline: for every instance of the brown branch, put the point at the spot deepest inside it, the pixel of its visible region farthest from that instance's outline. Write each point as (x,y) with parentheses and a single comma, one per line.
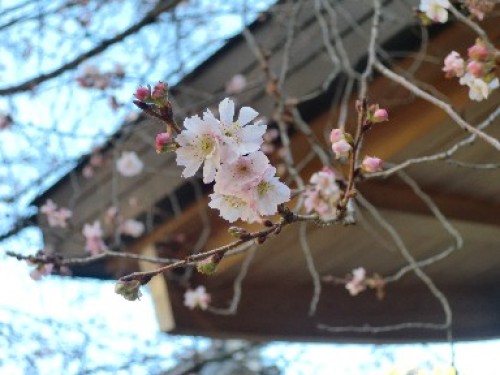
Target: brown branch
(149,18)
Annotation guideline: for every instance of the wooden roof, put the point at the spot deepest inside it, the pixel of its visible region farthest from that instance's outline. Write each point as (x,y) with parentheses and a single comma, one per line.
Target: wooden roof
(278,288)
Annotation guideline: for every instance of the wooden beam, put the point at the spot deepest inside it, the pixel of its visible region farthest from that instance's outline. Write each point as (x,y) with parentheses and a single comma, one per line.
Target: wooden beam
(393,196)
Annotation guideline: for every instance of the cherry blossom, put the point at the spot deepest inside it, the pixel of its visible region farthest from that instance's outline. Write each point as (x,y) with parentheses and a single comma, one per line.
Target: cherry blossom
(436,10)
(478,88)
(129,164)
(198,297)
(371,164)
(239,135)
(236,84)
(380,115)
(233,207)
(93,237)
(454,65)
(270,192)
(323,195)
(479,8)
(357,283)
(131,227)
(56,217)
(200,143)
(244,174)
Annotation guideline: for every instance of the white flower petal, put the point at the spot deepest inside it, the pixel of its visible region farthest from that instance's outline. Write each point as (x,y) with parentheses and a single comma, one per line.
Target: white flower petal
(246,115)
(226,111)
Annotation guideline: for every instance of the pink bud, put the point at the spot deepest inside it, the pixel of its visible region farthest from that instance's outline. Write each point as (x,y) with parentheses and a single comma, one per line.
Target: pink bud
(475,68)
(336,135)
(142,93)
(380,115)
(372,164)
(478,52)
(159,91)
(162,139)
(341,149)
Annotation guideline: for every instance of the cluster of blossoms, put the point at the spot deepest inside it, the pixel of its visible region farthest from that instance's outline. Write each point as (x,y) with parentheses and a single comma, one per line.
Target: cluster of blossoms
(479,8)
(129,164)
(478,72)
(94,242)
(246,187)
(323,194)
(198,297)
(56,217)
(92,77)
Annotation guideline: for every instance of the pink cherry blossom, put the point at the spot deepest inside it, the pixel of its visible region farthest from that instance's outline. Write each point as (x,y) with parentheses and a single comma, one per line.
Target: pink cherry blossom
(357,282)
(323,194)
(56,217)
(324,181)
(478,88)
(240,136)
(236,84)
(131,227)
(200,143)
(198,297)
(88,171)
(270,192)
(436,10)
(341,149)
(243,174)
(336,135)
(454,65)
(49,207)
(129,164)
(372,164)
(234,207)
(93,237)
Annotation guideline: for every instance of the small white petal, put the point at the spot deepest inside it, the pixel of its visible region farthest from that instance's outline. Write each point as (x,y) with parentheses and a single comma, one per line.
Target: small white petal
(246,115)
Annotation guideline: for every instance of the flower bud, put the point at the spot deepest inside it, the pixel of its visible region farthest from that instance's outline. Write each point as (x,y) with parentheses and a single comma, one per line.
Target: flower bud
(478,51)
(336,135)
(143,93)
(476,68)
(162,140)
(341,149)
(371,164)
(380,115)
(128,289)
(207,266)
(159,91)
